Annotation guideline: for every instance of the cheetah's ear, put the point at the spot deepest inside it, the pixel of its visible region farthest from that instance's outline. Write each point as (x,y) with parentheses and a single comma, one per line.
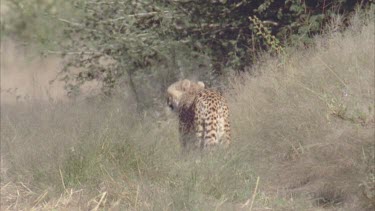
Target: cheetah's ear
(201,84)
(186,84)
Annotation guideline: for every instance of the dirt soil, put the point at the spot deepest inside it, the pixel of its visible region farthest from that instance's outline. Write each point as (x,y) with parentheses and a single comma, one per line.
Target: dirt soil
(26,75)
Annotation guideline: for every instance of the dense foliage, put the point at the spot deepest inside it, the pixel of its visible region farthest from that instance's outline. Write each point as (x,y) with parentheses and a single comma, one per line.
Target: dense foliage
(224,29)
(34,22)
(121,41)
(135,35)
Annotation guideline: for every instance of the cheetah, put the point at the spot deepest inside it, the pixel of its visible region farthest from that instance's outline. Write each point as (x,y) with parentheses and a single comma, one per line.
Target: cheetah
(203,114)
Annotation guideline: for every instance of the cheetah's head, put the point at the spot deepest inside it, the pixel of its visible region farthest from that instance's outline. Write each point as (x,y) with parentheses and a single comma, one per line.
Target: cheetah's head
(180,89)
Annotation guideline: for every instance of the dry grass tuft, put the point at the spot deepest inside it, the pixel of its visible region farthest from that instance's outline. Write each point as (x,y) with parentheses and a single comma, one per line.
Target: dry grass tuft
(303,140)
(309,119)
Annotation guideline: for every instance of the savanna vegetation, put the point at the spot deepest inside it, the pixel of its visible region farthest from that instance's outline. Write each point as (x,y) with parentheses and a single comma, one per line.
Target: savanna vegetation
(298,75)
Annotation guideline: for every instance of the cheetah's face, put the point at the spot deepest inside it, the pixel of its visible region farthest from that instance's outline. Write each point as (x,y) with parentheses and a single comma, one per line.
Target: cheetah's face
(178,89)
(172,101)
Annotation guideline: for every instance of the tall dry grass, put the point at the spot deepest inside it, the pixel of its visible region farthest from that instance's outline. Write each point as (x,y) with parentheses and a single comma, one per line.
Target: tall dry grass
(309,118)
(303,140)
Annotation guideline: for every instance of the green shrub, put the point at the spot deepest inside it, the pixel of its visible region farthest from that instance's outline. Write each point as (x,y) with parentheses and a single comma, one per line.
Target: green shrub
(153,43)
(35,22)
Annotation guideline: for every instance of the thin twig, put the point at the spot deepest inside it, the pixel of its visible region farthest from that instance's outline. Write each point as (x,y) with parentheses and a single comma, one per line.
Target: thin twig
(100,201)
(253,197)
(220,203)
(254,194)
(40,198)
(138,15)
(333,72)
(62,179)
(312,91)
(69,53)
(136,198)
(23,185)
(69,22)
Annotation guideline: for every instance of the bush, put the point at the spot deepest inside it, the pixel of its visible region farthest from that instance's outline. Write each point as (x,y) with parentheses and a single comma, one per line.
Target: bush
(35,22)
(138,44)
(122,39)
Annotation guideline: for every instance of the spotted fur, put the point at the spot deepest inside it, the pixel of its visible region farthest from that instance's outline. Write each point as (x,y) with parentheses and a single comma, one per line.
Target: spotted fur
(203,114)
